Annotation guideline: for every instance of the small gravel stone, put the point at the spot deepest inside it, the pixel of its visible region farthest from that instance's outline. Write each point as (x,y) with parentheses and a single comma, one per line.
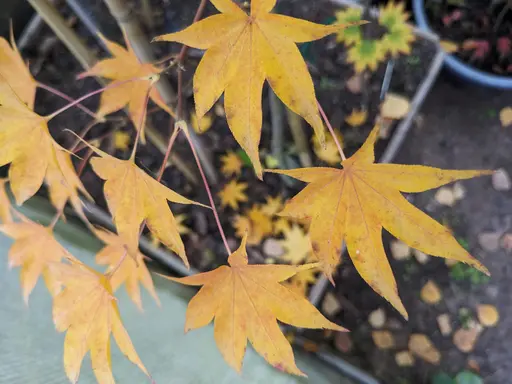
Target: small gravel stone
(445,196)
(400,250)
(377,318)
(421,257)
(404,359)
(273,248)
(489,241)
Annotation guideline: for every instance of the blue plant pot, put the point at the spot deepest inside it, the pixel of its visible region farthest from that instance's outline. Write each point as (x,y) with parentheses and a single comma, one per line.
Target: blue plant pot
(459,67)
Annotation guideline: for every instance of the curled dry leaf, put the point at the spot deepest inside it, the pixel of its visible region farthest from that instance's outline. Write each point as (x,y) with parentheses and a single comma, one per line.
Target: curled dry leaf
(383,339)
(421,346)
(87,309)
(242,51)
(126,270)
(395,107)
(231,164)
(132,84)
(133,197)
(34,250)
(488,315)
(506,116)
(237,298)
(232,194)
(430,293)
(355,203)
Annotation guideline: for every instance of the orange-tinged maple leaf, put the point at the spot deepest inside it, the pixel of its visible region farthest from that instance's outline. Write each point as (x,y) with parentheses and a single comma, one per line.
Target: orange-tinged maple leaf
(5,203)
(272,206)
(87,309)
(297,245)
(231,164)
(121,68)
(246,301)
(132,197)
(232,194)
(13,67)
(129,272)
(260,221)
(26,144)
(34,250)
(354,204)
(242,52)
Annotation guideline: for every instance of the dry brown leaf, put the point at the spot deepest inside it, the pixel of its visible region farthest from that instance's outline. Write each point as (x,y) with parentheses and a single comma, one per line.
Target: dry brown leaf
(430,293)
(488,315)
(421,346)
(343,342)
(383,339)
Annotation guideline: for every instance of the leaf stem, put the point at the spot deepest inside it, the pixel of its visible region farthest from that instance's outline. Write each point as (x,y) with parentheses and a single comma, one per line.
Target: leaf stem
(329,127)
(82,134)
(140,127)
(206,186)
(172,140)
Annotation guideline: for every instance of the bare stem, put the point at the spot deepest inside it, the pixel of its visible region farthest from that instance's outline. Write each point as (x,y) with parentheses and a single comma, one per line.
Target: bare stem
(116,267)
(68,98)
(141,125)
(168,152)
(83,162)
(82,134)
(329,127)
(206,186)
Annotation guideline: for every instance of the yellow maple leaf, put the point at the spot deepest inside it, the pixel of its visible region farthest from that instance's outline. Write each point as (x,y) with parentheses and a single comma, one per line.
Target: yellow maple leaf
(232,194)
(281,225)
(244,50)
(272,205)
(13,67)
(27,145)
(328,152)
(353,204)
(357,117)
(203,125)
(231,164)
(122,140)
(399,35)
(301,281)
(34,250)
(261,223)
(132,197)
(87,309)
(245,302)
(296,244)
(125,270)
(243,226)
(5,203)
(122,68)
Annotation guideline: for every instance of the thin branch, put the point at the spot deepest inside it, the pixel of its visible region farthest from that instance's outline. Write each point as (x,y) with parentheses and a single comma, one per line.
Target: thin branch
(329,127)
(70,99)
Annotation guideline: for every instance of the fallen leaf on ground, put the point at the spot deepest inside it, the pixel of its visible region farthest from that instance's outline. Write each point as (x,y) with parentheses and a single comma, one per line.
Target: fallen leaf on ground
(383,339)
(501,180)
(132,84)
(12,67)
(242,51)
(122,140)
(126,270)
(243,225)
(377,318)
(87,309)
(445,324)
(134,197)
(202,125)
(272,206)
(180,224)
(430,293)
(465,339)
(5,203)
(231,164)
(232,194)
(261,223)
(488,315)
(355,203)
(297,245)
(34,250)
(282,225)
(445,196)
(506,116)
(330,305)
(328,152)
(245,302)
(404,359)
(421,346)
(357,118)
(400,250)
(395,107)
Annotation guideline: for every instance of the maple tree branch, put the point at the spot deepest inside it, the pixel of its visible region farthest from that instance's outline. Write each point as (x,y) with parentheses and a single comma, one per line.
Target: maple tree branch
(184,128)
(331,130)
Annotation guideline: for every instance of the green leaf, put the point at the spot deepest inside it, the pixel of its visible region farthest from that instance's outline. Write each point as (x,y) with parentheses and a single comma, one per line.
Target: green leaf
(467,377)
(442,378)
(244,157)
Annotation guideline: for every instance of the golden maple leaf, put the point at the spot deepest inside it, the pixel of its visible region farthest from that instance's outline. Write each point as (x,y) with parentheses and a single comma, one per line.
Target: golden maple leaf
(203,125)
(297,245)
(26,144)
(122,140)
(354,204)
(301,281)
(231,164)
(272,206)
(357,117)
(328,152)
(124,270)
(243,226)
(245,302)
(232,194)
(261,223)
(242,52)
(87,309)
(5,203)
(34,250)
(281,225)
(13,67)
(132,197)
(132,82)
